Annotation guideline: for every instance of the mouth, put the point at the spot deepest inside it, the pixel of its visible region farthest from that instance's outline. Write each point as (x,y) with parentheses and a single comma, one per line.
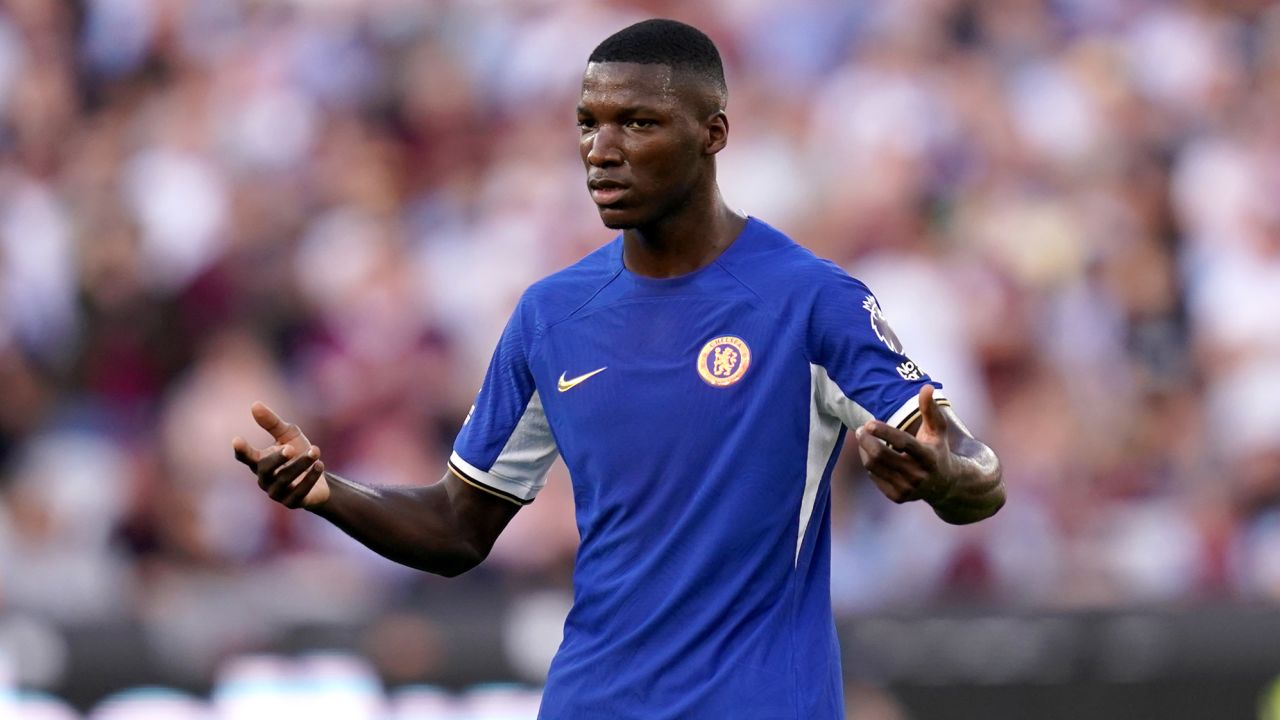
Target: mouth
(606,192)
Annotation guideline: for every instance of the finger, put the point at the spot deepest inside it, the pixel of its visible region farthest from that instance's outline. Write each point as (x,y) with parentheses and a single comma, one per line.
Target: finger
(931,413)
(298,491)
(882,459)
(897,475)
(245,453)
(269,464)
(903,442)
(899,440)
(268,420)
(297,462)
(277,483)
(891,490)
(295,467)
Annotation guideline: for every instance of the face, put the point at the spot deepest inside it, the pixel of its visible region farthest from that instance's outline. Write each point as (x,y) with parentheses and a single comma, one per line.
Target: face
(646,148)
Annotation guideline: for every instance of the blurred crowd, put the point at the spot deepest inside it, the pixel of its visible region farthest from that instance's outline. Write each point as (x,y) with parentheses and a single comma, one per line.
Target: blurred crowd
(1069,209)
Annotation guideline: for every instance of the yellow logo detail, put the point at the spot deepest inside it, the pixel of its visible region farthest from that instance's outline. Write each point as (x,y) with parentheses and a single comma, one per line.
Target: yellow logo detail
(563,384)
(723,361)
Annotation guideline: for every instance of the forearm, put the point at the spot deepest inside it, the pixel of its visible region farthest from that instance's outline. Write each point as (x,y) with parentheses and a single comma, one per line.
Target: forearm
(978,490)
(416,526)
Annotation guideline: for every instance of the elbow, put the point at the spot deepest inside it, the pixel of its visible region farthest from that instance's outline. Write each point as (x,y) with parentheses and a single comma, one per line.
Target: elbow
(453,569)
(449,570)
(990,503)
(998,495)
(979,514)
(461,560)
(995,499)
(969,517)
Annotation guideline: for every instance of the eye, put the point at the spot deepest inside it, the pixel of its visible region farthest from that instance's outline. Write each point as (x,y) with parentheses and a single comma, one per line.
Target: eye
(586,124)
(641,123)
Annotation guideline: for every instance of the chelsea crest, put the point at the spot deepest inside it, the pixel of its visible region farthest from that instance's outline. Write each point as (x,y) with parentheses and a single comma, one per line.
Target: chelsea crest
(723,361)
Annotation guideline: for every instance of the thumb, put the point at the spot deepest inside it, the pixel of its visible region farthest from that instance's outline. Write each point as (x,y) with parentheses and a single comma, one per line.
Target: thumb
(268,420)
(930,414)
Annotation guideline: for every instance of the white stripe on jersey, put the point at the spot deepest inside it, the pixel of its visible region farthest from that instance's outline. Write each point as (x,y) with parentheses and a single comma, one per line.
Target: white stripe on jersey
(521,467)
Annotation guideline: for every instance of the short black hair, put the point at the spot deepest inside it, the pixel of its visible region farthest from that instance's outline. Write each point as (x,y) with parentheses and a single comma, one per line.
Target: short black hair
(682,47)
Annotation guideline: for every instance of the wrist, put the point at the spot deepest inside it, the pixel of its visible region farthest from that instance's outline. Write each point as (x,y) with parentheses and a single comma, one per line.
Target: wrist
(322,492)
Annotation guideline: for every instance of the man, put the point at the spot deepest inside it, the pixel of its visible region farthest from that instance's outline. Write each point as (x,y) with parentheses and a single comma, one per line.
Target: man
(697,375)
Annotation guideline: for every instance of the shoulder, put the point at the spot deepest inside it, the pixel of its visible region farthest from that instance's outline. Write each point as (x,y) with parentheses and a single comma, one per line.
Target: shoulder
(780,270)
(557,296)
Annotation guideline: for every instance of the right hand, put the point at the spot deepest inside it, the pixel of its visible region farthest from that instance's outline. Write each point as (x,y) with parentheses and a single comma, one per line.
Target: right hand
(289,471)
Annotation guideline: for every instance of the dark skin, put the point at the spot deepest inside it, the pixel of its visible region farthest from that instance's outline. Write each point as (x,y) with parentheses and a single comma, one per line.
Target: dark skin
(446,528)
(649,136)
(935,459)
(649,140)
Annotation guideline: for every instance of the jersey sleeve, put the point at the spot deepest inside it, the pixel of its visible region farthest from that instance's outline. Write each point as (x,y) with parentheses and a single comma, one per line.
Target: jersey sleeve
(859,365)
(505,446)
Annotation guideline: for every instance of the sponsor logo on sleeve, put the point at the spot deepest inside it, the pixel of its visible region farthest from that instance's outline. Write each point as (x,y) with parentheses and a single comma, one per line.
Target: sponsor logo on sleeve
(909,371)
(880,325)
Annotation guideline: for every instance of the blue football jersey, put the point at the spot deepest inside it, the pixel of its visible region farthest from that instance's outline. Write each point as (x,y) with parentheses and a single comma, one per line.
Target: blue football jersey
(699,417)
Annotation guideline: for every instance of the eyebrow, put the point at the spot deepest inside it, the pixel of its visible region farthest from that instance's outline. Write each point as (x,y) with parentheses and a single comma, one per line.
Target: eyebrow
(630,110)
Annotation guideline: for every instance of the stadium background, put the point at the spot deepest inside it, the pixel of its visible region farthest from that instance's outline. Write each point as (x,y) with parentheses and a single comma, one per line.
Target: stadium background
(1068,210)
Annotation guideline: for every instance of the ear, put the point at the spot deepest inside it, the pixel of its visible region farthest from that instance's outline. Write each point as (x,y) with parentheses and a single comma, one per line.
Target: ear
(717,129)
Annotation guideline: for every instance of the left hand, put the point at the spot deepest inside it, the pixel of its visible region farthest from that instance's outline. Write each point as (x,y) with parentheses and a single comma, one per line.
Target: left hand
(289,471)
(910,467)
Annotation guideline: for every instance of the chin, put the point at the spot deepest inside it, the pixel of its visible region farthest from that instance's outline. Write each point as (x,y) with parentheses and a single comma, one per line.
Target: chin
(617,219)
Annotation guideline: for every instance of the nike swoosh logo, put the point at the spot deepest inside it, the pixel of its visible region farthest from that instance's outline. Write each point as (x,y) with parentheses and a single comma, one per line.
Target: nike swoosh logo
(563,384)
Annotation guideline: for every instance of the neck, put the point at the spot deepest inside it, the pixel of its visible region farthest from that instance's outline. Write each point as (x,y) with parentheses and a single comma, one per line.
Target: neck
(684,241)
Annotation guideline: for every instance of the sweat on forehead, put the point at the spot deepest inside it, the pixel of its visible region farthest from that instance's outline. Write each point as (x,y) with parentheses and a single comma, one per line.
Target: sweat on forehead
(650,84)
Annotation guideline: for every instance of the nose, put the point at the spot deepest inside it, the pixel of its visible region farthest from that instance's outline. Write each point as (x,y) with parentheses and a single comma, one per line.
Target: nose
(601,147)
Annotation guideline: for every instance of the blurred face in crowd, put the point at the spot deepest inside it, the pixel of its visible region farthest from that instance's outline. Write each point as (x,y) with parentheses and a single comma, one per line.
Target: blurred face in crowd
(649,135)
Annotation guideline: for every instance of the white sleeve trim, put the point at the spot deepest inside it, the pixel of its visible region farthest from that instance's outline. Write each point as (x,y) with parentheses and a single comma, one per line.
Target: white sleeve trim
(905,414)
(488,482)
(520,470)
